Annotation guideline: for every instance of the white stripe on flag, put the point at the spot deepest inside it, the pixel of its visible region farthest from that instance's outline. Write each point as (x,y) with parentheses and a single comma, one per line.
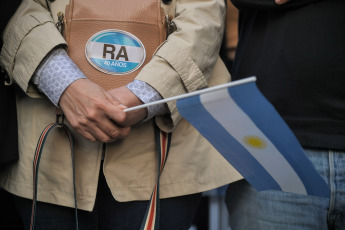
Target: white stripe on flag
(281,171)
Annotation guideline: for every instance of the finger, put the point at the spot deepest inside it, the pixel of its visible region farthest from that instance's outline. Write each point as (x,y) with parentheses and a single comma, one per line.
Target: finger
(101,136)
(127,97)
(112,130)
(100,126)
(124,132)
(87,135)
(113,109)
(93,134)
(90,130)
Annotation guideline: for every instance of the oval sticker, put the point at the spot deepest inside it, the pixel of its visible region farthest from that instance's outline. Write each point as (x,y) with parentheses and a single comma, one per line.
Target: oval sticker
(115,52)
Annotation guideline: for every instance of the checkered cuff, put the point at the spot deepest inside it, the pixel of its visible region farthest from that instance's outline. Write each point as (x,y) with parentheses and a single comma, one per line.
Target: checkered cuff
(55,73)
(148,94)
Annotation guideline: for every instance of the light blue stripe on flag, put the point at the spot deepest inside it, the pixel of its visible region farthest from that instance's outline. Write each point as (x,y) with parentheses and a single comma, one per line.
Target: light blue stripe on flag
(245,128)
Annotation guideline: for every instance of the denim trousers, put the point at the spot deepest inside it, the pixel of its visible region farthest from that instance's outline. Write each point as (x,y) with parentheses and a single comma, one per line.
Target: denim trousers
(275,210)
(176,213)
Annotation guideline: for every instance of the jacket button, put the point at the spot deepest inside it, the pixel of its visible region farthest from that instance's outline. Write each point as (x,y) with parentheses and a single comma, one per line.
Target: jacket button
(167,1)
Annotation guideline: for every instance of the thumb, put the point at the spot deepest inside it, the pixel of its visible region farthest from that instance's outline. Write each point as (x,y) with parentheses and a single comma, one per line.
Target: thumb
(115,101)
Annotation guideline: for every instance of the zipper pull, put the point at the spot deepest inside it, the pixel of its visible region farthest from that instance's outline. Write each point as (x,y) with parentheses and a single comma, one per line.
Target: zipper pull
(171,26)
(61,23)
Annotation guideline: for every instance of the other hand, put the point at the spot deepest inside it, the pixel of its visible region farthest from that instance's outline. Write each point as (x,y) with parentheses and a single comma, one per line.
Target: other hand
(93,112)
(129,99)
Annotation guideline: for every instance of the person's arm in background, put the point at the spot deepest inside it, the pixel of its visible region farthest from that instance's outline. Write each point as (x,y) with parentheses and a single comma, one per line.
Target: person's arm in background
(280,2)
(270,4)
(28,38)
(184,63)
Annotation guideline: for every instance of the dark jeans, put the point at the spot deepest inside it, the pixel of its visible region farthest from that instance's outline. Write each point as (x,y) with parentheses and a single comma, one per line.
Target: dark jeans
(9,217)
(176,213)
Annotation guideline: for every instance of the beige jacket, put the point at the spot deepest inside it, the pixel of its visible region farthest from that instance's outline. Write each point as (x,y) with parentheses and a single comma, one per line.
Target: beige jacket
(183,64)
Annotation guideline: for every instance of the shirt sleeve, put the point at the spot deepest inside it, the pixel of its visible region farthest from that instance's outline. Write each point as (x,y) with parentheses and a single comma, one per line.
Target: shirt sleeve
(185,61)
(55,73)
(148,94)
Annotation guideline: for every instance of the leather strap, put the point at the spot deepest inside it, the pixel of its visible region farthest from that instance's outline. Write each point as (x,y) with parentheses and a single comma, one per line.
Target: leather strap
(36,162)
(151,218)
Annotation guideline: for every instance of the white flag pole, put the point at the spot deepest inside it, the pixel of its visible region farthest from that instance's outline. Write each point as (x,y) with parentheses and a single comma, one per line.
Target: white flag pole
(207,90)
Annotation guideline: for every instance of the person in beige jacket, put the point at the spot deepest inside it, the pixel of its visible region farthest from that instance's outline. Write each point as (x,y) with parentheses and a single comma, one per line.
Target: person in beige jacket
(115,155)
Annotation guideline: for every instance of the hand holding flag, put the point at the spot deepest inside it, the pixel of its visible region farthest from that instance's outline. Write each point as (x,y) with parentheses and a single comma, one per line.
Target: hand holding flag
(249,133)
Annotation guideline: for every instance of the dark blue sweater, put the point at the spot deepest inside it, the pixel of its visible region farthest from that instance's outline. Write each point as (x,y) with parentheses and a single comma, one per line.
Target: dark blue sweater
(297,52)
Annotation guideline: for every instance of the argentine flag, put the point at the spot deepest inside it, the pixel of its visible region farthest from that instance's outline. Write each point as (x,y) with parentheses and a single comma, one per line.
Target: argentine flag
(250,134)
(246,129)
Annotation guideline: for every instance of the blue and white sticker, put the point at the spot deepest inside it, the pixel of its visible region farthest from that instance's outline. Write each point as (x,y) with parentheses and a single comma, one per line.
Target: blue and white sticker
(115,52)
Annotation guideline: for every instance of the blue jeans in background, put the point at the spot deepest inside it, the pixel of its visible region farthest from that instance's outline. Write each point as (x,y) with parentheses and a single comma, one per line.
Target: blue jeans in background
(275,210)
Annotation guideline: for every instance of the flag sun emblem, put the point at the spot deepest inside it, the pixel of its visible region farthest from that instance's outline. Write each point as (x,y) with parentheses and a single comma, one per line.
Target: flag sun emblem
(254,142)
